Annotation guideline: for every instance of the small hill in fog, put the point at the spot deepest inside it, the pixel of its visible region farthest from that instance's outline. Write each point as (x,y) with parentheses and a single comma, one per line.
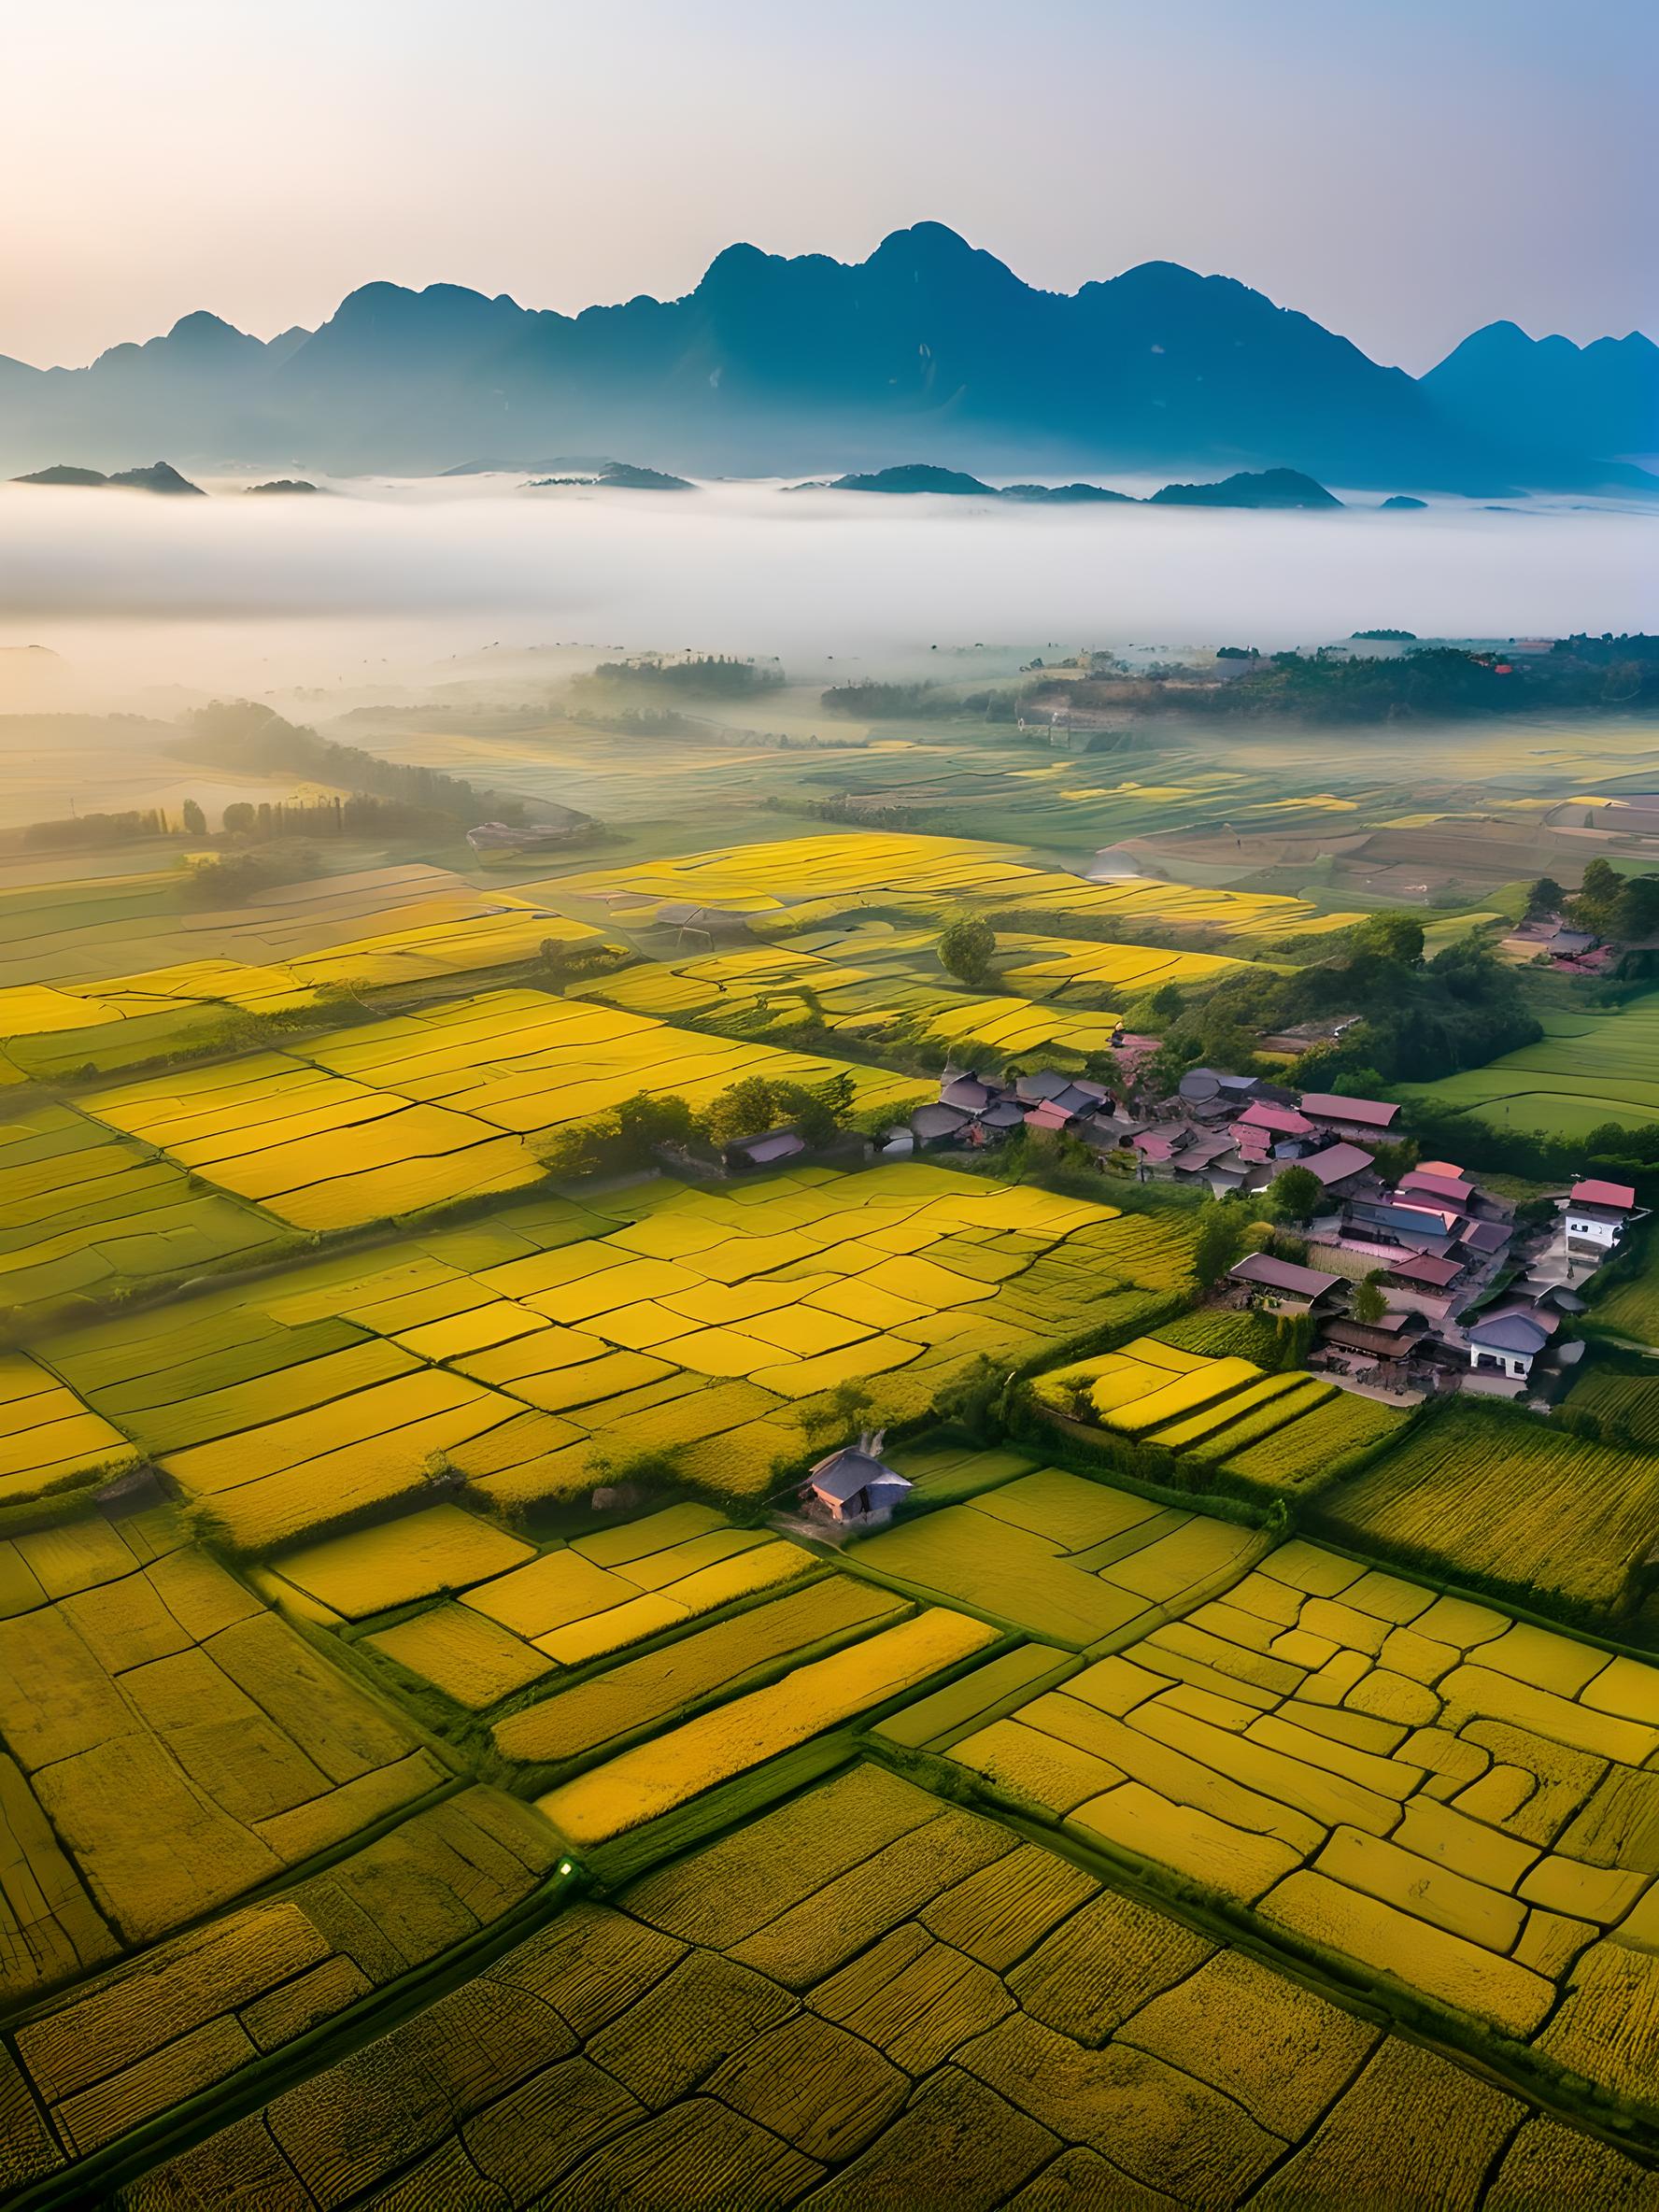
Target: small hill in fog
(1263,487)
(160,475)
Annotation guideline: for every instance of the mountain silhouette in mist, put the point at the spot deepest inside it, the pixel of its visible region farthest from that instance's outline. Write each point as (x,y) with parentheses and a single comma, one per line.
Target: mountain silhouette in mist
(1597,399)
(930,349)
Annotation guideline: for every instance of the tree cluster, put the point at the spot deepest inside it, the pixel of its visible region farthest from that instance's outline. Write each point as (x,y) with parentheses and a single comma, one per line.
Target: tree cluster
(699,675)
(1429,683)
(1621,907)
(243,734)
(82,832)
(230,879)
(909,702)
(629,1139)
(1422,1018)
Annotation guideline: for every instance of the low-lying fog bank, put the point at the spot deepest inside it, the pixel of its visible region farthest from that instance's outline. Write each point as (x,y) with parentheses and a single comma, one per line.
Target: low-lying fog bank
(306,588)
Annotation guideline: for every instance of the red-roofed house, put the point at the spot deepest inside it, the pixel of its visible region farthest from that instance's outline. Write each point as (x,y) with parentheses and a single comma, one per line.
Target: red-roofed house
(1592,1192)
(1368,1120)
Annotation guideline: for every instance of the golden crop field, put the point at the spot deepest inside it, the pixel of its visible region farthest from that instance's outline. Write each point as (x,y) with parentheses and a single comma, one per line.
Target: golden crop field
(534,1353)
(869,1998)
(445,1760)
(1062,1558)
(1524,1507)
(49,1438)
(790,980)
(84,1211)
(817,877)
(390,1116)
(170,1744)
(1288,1431)
(83,932)
(1419,1787)
(50,1030)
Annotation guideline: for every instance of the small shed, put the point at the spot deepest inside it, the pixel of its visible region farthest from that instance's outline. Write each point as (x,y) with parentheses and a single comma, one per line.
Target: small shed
(767,1149)
(854,1485)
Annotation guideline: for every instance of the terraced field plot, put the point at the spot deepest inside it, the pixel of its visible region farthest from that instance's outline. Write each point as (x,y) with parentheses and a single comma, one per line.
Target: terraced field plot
(728,1742)
(127,2044)
(83,1211)
(1559,1520)
(49,1030)
(84,931)
(1587,1069)
(170,1745)
(511,1613)
(1056,1556)
(1061,968)
(387,1117)
(540,1351)
(819,878)
(735,990)
(1420,1786)
(1289,1431)
(1621,1402)
(869,1999)
(48,1437)
(1629,1306)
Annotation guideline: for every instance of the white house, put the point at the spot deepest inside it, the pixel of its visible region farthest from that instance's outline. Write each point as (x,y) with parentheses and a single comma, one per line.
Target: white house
(1509,1339)
(1596,1215)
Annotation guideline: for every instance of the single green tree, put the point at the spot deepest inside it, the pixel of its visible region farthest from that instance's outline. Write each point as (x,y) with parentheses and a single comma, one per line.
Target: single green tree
(644,1122)
(1546,897)
(195,821)
(743,1111)
(1600,895)
(966,948)
(1370,1303)
(1294,1194)
(1219,1241)
(1391,936)
(1167,1003)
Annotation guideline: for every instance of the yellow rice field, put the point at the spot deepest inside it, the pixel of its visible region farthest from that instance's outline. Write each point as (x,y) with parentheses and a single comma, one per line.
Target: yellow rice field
(392,1116)
(641,1786)
(806,876)
(534,1355)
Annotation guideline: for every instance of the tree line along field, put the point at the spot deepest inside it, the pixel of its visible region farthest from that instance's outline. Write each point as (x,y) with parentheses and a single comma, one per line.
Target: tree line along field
(384,1824)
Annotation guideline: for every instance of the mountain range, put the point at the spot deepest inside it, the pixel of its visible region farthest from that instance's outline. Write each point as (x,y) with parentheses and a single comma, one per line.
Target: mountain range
(930,349)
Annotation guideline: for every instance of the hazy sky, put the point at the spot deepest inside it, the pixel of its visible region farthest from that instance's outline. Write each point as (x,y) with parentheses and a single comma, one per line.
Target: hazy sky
(1404,170)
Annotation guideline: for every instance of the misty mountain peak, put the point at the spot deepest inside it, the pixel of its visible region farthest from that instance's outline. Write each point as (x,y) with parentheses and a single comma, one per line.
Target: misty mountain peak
(930,349)
(933,251)
(203,329)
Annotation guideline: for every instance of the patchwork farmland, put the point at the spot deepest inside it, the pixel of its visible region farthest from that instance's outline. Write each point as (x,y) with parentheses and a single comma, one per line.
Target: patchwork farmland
(443,1761)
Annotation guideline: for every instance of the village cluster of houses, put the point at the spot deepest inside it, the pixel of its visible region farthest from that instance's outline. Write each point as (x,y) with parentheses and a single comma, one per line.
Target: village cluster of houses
(1474,1300)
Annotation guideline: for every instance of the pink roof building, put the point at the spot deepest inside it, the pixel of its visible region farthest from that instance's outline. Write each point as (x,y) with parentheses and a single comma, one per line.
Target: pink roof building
(1358,1113)
(1620,1196)
(1278,1121)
